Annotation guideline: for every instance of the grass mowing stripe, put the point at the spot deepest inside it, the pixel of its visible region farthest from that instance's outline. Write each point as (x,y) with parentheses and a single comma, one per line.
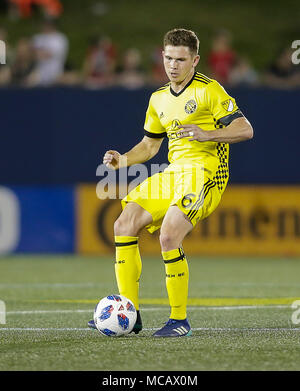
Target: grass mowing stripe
(150,329)
(44,329)
(58,285)
(205,301)
(240,307)
(228,301)
(149,309)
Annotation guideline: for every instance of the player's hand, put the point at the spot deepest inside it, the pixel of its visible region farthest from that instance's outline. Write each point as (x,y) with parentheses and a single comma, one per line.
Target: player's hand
(193,132)
(114,160)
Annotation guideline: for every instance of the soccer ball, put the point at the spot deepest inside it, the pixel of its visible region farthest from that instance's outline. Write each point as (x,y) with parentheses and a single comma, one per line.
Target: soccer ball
(115,315)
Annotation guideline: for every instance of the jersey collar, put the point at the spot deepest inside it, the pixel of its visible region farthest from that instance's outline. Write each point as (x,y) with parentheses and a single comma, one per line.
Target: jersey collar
(184,88)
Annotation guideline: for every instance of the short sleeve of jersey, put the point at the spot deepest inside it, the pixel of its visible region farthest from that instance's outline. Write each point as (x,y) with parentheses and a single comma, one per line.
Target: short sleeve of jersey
(222,106)
(153,127)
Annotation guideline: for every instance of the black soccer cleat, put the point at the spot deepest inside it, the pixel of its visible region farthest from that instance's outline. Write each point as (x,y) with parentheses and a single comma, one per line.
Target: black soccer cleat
(138,324)
(136,328)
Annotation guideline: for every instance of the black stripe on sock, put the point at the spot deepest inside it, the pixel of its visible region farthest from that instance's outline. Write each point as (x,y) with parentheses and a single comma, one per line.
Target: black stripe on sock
(174,259)
(120,244)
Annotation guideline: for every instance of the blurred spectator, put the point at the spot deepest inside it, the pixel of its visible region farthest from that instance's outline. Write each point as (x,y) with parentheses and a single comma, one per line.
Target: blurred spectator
(51,48)
(131,74)
(100,64)
(221,58)
(23,65)
(283,73)
(5,68)
(4,6)
(71,76)
(51,8)
(243,73)
(158,73)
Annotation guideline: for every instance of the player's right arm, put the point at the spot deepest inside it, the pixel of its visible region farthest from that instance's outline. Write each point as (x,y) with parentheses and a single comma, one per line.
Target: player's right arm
(140,153)
(144,150)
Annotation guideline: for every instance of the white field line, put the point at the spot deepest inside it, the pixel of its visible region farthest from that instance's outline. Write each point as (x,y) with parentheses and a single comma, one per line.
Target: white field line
(151,329)
(51,285)
(241,307)
(46,312)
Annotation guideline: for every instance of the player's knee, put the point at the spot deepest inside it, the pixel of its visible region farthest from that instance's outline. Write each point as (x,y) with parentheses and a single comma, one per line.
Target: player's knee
(121,226)
(168,241)
(124,226)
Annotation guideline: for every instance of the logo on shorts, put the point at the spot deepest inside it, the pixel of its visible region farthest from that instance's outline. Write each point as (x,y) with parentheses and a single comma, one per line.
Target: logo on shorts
(190,107)
(228,105)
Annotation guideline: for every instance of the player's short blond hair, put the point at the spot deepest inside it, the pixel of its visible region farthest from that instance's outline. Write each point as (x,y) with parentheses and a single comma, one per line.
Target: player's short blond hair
(182,37)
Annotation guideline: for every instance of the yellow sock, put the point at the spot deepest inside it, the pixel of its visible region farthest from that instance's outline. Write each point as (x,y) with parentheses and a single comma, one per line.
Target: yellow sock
(128,267)
(177,279)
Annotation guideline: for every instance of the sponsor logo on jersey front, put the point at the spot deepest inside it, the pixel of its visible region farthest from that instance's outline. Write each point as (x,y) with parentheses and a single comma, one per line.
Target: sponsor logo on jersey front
(175,124)
(173,129)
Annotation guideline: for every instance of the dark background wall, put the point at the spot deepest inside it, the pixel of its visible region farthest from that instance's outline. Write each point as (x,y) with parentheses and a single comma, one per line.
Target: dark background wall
(58,136)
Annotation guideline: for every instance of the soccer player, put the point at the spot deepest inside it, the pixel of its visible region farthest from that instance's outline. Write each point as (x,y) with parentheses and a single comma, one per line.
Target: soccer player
(200,119)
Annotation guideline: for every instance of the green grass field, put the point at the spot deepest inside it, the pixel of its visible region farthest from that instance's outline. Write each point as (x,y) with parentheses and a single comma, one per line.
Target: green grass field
(239,309)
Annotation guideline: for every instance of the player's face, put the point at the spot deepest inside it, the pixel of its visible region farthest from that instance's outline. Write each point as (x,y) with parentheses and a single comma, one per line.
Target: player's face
(179,62)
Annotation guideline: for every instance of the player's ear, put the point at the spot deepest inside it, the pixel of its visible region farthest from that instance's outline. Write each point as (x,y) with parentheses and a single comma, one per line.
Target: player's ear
(163,53)
(196,60)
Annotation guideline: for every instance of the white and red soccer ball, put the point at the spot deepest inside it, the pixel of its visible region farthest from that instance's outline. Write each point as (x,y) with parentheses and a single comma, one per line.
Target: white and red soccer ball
(115,315)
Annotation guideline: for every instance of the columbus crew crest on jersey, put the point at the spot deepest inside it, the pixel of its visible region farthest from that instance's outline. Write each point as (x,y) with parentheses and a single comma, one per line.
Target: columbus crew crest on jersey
(190,107)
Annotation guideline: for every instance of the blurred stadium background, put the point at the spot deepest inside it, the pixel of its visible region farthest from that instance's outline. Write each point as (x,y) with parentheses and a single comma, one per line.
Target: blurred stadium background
(61,109)
(76,82)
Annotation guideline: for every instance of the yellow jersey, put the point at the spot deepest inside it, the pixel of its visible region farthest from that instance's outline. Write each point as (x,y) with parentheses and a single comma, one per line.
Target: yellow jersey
(203,102)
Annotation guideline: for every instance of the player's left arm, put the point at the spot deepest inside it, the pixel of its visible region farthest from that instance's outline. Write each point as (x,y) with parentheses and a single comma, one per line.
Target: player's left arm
(235,127)
(238,130)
